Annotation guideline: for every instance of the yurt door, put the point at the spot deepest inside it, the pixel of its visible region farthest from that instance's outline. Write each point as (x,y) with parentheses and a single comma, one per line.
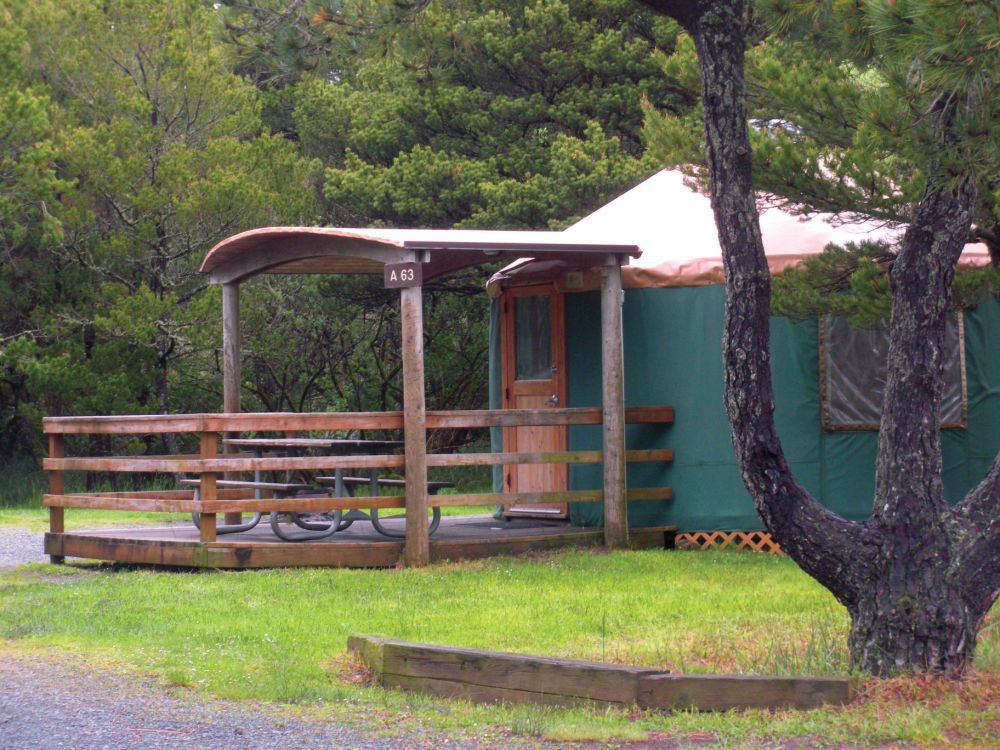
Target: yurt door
(534,370)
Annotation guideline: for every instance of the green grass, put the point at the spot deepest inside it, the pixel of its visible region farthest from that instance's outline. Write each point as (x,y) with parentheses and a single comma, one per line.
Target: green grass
(281,634)
(37,518)
(22,483)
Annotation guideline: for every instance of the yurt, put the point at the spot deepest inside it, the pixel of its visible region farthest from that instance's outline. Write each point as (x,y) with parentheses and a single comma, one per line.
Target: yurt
(545,341)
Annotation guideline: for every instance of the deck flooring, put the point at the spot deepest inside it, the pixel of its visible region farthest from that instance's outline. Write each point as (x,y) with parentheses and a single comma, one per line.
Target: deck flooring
(360,546)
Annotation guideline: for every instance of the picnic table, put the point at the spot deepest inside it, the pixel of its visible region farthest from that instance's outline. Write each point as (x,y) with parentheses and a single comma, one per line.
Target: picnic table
(343,486)
(338,521)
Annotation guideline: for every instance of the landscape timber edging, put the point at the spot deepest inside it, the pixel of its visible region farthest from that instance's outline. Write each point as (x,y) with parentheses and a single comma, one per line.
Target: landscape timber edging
(493,676)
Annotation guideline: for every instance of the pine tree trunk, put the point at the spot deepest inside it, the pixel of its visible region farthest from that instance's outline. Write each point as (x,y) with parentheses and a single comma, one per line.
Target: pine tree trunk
(917,578)
(911,614)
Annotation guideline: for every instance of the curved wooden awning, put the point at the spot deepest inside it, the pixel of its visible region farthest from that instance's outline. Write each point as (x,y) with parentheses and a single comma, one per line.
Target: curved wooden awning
(340,250)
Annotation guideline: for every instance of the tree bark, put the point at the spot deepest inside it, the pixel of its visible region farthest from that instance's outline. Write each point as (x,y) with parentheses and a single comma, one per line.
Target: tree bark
(917,578)
(914,615)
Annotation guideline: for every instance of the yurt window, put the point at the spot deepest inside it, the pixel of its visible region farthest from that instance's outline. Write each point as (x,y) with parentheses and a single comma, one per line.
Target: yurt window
(853,372)
(533,332)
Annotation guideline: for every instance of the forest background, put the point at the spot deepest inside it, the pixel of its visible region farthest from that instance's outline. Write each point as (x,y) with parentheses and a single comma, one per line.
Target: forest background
(135,134)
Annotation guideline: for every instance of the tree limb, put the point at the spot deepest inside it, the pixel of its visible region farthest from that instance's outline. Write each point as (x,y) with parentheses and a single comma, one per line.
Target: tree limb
(829,548)
(977,550)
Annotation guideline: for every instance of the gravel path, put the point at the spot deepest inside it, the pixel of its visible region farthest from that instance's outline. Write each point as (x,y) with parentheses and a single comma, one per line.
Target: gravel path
(45,704)
(18,547)
(49,704)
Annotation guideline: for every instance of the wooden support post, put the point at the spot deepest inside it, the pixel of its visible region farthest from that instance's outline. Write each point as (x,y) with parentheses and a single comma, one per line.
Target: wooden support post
(57,486)
(209,447)
(231,369)
(416,550)
(613,406)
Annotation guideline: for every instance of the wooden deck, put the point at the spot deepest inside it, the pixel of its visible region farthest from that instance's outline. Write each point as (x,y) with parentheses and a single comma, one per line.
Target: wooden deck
(458,538)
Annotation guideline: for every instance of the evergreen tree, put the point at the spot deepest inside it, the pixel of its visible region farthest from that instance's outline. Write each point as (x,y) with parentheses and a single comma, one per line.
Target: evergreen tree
(161,154)
(497,113)
(839,107)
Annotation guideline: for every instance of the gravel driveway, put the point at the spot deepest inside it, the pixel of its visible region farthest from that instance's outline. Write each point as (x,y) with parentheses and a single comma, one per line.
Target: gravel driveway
(46,704)
(18,547)
(49,702)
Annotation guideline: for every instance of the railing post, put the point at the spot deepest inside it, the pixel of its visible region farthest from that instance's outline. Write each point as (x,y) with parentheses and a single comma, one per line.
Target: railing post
(613,406)
(416,550)
(231,370)
(209,446)
(57,486)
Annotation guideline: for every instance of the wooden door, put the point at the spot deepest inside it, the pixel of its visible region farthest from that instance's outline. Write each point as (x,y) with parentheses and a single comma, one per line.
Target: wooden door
(534,377)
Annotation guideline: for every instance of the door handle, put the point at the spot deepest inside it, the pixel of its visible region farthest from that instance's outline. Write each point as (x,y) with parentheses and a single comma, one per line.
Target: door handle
(554,399)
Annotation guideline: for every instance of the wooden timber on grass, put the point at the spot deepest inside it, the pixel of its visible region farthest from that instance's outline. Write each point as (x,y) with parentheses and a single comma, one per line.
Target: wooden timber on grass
(492,676)
(458,538)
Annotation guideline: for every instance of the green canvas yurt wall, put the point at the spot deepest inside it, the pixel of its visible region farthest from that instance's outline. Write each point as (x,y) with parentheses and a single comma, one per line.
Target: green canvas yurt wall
(673,357)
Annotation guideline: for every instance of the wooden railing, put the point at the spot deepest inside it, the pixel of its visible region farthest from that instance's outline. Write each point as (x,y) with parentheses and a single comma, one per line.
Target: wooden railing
(209,464)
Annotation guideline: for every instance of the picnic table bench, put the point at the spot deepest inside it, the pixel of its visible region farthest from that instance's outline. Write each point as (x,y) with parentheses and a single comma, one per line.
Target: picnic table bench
(279,489)
(334,520)
(374,482)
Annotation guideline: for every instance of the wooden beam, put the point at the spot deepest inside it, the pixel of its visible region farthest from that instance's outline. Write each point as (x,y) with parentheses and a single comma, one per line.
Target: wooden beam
(706,692)
(180,547)
(231,348)
(568,678)
(649,414)
(528,498)
(243,502)
(231,369)
(613,405)
(416,550)
(244,463)
(492,676)
(57,486)
(149,424)
(437,460)
(209,446)
(107,501)
(179,464)
(145,424)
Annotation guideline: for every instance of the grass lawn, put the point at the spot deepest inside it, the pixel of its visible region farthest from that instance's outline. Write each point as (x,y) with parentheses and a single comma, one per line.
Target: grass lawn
(281,635)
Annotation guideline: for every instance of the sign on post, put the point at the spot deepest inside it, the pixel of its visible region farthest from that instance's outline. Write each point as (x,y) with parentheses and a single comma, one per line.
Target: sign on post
(401,275)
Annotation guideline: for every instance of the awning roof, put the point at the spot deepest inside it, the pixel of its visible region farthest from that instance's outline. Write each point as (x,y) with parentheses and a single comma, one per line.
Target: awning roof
(353,250)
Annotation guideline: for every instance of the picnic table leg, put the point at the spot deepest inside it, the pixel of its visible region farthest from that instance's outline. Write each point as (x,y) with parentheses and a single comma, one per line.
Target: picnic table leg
(258,475)
(341,490)
(432,524)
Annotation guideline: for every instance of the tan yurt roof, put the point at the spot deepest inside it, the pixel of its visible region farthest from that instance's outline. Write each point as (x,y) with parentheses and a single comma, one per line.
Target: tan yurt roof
(674,227)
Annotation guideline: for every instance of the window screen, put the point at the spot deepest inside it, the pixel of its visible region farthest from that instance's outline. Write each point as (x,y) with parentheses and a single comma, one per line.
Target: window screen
(853,370)
(533,337)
